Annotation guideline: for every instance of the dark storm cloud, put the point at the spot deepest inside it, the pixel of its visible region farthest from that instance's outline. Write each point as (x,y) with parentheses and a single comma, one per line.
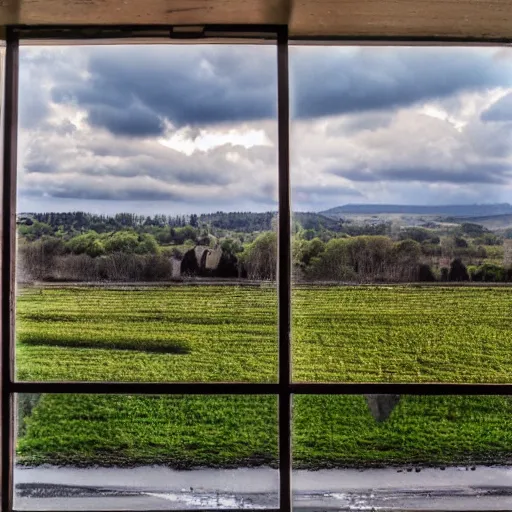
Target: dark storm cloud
(71,190)
(462,173)
(39,164)
(131,92)
(137,94)
(116,195)
(335,81)
(100,166)
(133,121)
(170,167)
(38,68)
(34,101)
(196,177)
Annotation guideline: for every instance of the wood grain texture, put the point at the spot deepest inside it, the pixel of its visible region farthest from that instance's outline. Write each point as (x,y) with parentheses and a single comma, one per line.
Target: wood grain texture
(490,19)
(112,12)
(479,19)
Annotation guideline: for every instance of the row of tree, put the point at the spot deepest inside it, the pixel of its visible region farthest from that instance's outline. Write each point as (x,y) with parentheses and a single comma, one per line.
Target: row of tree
(366,258)
(82,221)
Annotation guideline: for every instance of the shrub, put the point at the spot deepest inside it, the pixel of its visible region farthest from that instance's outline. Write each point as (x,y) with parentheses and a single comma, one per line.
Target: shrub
(260,257)
(228,265)
(425,274)
(189,266)
(488,273)
(460,242)
(458,271)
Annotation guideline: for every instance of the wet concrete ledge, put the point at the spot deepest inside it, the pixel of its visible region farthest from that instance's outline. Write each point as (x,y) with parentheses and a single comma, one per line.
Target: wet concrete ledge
(161,488)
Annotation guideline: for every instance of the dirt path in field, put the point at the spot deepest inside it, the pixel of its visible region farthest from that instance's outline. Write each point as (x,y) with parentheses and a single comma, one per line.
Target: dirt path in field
(159,488)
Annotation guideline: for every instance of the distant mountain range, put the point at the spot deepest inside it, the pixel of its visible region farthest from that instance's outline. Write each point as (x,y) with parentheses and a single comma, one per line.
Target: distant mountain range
(466,210)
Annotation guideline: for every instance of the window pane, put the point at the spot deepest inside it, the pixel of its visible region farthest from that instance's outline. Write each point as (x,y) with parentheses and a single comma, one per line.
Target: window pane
(86,452)
(401,227)
(402,452)
(146,205)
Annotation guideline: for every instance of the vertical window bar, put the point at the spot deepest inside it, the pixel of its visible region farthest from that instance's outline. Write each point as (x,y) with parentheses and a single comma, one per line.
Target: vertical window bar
(284,271)
(10,100)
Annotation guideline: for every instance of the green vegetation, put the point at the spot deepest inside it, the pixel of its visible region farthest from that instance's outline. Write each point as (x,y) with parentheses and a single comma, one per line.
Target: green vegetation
(126,247)
(180,333)
(328,431)
(429,430)
(229,333)
(402,334)
(181,431)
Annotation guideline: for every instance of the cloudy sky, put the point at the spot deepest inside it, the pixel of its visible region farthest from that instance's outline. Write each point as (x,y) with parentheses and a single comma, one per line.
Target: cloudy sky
(181,129)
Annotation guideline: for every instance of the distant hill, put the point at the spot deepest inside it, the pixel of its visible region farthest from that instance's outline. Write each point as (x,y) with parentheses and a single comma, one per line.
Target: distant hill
(249,221)
(492,222)
(466,210)
(316,221)
(233,221)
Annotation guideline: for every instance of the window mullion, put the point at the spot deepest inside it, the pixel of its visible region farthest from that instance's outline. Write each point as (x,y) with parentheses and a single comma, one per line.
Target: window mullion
(284,271)
(10,119)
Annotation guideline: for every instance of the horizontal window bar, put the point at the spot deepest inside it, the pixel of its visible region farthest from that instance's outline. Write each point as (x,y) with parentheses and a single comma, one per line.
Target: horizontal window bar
(383,40)
(399,388)
(88,32)
(215,31)
(228,388)
(146,388)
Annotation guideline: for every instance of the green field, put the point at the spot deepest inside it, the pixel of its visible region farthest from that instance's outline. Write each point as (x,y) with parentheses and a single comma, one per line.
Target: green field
(148,334)
(328,431)
(214,333)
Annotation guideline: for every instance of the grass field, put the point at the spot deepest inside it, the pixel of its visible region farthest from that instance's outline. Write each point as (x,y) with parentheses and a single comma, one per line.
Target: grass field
(403,334)
(328,431)
(210,333)
(153,334)
(214,333)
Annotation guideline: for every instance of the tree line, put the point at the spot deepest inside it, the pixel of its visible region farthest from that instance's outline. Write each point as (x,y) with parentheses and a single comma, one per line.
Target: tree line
(127,256)
(64,246)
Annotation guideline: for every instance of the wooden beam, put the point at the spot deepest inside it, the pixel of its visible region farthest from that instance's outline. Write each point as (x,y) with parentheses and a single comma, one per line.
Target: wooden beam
(483,20)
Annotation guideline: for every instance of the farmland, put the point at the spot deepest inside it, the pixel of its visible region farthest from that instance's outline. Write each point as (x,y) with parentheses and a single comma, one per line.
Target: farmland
(214,431)
(215,333)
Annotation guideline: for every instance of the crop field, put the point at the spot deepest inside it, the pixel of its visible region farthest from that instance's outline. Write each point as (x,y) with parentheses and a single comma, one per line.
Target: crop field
(229,333)
(148,334)
(328,431)
(403,334)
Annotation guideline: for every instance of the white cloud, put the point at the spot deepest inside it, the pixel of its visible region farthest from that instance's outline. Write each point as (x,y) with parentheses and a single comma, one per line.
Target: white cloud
(427,149)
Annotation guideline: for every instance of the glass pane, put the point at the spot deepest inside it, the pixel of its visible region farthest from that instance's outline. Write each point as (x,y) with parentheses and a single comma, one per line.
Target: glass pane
(402,452)
(402,225)
(146,205)
(86,452)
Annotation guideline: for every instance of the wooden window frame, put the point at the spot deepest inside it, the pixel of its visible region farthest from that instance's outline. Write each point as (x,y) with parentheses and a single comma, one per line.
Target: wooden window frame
(284,388)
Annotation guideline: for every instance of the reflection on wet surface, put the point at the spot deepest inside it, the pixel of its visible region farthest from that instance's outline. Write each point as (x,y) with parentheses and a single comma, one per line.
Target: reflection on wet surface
(160,488)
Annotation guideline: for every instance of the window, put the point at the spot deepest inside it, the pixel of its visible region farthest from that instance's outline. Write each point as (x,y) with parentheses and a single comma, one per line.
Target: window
(136,180)
(62,392)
